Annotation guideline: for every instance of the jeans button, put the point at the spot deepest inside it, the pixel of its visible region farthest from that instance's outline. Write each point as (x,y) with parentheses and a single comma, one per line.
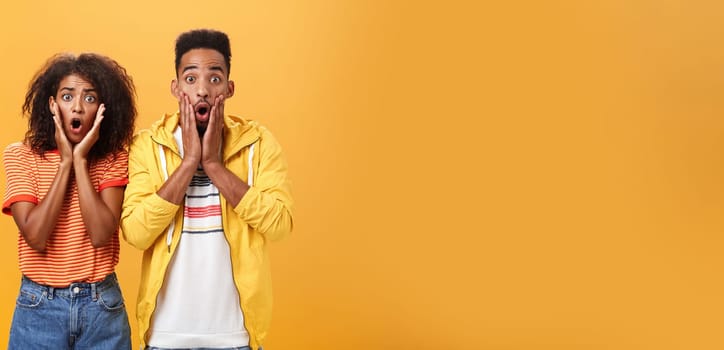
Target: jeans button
(76,290)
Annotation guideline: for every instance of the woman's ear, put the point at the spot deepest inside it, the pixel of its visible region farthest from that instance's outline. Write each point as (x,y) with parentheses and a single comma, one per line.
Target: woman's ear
(52,105)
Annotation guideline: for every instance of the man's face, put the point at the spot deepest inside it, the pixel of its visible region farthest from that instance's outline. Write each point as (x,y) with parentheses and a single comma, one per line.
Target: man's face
(77,102)
(202,75)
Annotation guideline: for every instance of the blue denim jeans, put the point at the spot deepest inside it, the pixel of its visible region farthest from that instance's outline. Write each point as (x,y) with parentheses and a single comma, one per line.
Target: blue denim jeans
(81,316)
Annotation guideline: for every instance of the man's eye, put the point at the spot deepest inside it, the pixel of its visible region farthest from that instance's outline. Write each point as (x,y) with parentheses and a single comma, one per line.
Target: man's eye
(190,79)
(90,99)
(215,79)
(66,97)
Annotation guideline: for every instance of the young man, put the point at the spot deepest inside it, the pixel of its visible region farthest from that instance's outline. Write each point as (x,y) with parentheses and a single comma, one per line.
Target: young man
(207,191)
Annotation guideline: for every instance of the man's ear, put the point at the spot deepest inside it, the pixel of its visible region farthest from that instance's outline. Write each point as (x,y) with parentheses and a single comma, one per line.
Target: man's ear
(231,89)
(174,89)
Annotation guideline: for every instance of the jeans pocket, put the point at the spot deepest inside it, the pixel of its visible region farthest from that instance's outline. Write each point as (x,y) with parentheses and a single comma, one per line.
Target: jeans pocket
(30,298)
(111,299)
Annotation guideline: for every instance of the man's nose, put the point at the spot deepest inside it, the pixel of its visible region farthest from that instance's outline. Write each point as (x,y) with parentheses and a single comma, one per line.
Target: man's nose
(202,91)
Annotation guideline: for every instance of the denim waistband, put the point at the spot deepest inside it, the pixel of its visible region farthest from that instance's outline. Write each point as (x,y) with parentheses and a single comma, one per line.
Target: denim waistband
(78,289)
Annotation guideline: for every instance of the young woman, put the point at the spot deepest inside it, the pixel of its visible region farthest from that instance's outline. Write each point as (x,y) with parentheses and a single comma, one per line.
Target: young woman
(65,186)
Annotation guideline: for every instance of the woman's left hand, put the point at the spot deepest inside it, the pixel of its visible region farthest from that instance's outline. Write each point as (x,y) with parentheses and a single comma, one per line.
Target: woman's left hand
(80,151)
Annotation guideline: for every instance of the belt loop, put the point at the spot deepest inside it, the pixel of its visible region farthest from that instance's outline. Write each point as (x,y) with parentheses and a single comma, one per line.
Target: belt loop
(93,292)
(51,292)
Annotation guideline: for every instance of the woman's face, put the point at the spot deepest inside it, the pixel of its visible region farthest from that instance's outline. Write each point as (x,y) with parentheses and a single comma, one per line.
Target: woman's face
(77,102)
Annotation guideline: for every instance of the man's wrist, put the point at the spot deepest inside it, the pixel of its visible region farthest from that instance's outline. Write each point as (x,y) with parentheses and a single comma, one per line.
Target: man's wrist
(211,165)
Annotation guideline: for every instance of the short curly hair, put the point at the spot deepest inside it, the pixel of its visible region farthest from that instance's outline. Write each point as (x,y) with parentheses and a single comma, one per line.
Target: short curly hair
(115,89)
(203,39)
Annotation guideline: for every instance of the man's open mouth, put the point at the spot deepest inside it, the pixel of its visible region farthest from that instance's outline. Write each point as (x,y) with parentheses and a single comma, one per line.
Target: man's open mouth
(202,109)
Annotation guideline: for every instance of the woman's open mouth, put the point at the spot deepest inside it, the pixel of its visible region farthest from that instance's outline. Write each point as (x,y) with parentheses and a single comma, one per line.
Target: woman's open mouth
(75,124)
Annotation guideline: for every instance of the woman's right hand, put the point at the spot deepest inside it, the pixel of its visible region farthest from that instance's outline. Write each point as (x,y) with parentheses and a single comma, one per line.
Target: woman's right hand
(65,148)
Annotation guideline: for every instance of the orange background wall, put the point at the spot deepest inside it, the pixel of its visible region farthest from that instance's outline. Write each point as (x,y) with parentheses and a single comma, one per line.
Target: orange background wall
(468,175)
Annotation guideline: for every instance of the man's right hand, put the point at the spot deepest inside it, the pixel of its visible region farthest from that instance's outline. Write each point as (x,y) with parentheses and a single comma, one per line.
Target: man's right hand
(191,140)
(174,189)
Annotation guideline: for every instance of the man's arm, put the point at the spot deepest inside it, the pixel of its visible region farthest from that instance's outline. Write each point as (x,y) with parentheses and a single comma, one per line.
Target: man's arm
(230,186)
(174,189)
(267,206)
(145,214)
(148,212)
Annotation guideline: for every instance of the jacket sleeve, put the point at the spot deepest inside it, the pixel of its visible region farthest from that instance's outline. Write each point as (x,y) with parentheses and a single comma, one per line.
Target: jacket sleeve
(267,205)
(145,215)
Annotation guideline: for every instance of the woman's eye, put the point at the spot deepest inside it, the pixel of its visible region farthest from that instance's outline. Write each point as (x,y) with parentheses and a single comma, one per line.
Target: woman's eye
(190,79)
(90,99)
(66,97)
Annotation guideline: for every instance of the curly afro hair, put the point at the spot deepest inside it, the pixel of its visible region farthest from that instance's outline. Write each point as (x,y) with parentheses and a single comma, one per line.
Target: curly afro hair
(115,89)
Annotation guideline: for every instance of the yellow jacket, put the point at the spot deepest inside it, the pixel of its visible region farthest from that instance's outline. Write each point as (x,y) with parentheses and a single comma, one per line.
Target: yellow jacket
(264,214)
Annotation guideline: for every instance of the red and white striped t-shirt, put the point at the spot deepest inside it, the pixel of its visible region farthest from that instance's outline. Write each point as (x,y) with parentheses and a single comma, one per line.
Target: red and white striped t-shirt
(69,256)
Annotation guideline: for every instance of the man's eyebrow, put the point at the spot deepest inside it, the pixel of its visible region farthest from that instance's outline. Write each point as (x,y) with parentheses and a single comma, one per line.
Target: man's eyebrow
(189,68)
(214,68)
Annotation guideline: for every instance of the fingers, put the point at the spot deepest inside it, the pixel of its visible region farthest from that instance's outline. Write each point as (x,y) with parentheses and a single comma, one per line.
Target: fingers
(188,119)
(191,143)
(60,137)
(212,114)
(190,113)
(99,113)
(182,108)
(217,113)
(61,141)
(56,116)
(212,137)
(99,118)
(222,102)
(56,120)
(59,131)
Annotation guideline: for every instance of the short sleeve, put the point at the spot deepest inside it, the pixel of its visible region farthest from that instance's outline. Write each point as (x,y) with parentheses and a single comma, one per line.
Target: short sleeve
(115,171)
(22,186)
